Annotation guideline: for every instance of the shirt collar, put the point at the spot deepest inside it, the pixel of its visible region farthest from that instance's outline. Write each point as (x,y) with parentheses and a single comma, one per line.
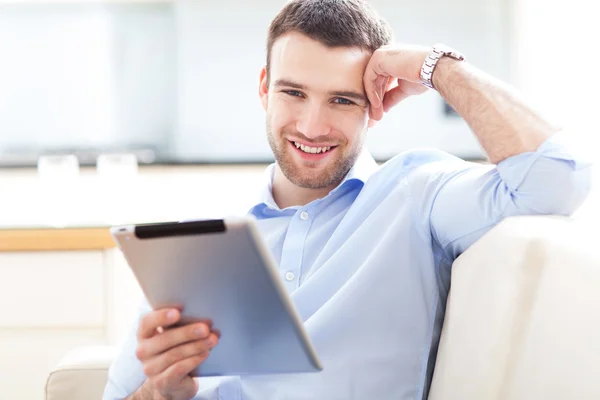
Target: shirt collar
(360,172)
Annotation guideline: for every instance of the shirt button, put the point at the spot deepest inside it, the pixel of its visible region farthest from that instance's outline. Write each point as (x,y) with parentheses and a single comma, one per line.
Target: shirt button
(289,276)
(304,215)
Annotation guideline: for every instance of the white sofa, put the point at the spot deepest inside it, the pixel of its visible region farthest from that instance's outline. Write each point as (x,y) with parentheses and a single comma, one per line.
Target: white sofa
(522,320)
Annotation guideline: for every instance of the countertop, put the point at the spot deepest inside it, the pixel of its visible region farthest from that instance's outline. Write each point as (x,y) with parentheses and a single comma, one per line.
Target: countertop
(39,215)
(55,239)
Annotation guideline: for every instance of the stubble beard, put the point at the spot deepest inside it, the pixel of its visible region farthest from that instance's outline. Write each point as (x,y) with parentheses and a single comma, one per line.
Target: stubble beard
(303,175)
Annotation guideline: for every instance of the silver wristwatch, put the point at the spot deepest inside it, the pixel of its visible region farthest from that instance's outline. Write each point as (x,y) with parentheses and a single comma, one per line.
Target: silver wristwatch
(439,50)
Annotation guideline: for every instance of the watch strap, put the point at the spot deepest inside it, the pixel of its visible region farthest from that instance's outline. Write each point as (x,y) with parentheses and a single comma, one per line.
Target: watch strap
(437,52)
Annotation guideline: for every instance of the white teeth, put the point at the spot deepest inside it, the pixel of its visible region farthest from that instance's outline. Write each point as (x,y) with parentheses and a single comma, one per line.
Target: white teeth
(312,150)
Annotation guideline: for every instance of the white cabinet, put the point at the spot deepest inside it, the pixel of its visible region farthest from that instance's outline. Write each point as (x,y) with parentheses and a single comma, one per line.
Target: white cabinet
(51,302)
(52,290)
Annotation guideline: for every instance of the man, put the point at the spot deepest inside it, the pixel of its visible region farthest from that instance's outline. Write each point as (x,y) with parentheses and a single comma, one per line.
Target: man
(365,252)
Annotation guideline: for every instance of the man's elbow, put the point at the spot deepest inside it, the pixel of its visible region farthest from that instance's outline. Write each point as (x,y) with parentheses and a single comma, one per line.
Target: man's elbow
(567,190)
(577,188)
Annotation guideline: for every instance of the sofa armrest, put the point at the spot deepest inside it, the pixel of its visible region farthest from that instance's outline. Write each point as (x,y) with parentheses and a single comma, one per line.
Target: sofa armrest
(523,315)
(81,374)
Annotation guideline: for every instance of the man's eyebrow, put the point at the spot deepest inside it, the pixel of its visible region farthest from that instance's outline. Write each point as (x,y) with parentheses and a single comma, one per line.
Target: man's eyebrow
(288,83)
(342,93)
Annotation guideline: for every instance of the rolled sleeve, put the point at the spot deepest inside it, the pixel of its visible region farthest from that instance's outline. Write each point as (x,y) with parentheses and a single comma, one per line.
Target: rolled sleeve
(465,200)
(550,180)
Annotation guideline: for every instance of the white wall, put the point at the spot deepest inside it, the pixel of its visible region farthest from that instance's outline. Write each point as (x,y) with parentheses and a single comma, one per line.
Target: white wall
(84,75)
(556,61)
(221,48)
(556,66)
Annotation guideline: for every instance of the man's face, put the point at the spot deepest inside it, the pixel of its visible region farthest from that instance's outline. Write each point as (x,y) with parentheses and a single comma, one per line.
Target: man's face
(317,110)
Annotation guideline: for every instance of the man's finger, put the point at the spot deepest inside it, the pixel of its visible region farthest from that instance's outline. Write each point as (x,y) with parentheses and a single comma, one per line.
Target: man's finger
(376,107)
(154,319)
(171,338)
(403,90)
(163,361)
(393,97)
(176,372)
(376,113)
(370,81)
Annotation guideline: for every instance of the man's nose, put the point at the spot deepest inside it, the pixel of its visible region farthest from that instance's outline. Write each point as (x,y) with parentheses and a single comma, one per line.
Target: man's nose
(313,121)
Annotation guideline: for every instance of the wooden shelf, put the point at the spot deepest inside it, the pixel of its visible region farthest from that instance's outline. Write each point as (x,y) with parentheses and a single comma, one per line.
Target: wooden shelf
(55,239)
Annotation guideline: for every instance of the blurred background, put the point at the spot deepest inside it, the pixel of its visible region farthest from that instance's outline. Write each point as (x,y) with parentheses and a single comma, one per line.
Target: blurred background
(147,110)
(173,83)
(163,79)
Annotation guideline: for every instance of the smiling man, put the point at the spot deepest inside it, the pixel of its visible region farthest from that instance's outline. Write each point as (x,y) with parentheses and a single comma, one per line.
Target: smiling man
(317,114)
(364,251)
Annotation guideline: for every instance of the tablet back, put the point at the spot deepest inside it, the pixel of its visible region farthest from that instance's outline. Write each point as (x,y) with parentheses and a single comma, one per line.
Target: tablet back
(221,270)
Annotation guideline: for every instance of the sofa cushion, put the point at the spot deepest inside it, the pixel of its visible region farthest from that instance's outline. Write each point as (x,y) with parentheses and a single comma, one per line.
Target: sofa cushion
(523,315)
(81,374)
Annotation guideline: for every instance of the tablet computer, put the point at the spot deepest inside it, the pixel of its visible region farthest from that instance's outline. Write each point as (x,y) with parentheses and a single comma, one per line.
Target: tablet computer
(221,270)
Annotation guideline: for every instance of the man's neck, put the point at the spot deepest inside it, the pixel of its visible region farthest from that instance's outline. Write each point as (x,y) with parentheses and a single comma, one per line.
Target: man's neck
(286,194)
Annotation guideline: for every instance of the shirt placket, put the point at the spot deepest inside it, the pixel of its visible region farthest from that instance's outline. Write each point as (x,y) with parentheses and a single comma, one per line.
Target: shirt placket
(293,248)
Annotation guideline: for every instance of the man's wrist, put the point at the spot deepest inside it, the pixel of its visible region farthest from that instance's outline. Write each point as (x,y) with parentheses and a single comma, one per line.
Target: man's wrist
(146,392)
(445,69)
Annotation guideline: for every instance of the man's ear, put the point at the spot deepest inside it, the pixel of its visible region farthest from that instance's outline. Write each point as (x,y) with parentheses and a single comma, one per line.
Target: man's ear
(263,89)
(372,122)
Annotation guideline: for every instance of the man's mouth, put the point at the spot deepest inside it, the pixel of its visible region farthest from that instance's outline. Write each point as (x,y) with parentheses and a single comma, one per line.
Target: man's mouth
(312,150)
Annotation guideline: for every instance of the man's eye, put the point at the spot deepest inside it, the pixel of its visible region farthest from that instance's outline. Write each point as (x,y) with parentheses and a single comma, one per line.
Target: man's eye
(294,93)
(343,101)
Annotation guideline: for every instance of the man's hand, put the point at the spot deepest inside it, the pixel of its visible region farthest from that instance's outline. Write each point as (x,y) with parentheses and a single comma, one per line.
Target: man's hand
(504,124)
(169,355)
(393,74)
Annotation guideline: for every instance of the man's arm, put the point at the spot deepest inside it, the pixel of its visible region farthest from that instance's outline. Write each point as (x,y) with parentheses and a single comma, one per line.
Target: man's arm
(534,173)
(503,123)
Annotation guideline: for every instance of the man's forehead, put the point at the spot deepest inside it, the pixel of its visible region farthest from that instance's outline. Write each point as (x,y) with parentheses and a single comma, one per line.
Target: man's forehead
(310,62)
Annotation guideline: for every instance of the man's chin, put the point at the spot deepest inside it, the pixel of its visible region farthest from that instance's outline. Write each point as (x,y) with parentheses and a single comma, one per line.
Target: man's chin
(309,174)
(310,178)
(310,183)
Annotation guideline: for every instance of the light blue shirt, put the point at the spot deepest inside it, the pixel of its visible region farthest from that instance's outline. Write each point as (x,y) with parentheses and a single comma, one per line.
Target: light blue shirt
(368,266)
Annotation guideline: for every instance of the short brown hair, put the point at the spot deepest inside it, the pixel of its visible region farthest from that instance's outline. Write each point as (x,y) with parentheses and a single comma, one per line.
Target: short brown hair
(334,23)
